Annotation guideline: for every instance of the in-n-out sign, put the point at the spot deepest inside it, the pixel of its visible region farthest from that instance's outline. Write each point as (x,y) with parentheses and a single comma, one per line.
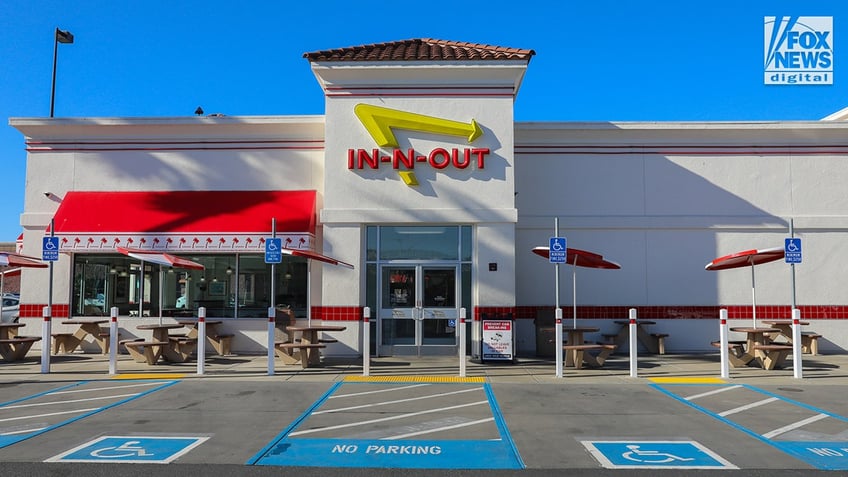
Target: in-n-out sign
(381,122)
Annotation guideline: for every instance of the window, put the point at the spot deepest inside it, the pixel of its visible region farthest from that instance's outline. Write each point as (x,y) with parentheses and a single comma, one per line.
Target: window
(230,285)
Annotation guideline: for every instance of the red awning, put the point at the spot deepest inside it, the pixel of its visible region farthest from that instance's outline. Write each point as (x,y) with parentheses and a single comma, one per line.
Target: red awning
(197,221)
(160,258)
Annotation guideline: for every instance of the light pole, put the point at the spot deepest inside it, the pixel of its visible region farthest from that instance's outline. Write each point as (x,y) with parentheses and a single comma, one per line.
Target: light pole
(60,37)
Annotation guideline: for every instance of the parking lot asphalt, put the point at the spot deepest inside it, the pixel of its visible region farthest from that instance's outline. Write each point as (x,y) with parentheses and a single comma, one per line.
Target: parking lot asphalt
(419,415)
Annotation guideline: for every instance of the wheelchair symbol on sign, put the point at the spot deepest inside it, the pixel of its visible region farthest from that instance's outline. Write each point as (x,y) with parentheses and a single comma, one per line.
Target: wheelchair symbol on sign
(792,246)
(557,246)
(127,449)
(651,457)
(49,245)
(272,245)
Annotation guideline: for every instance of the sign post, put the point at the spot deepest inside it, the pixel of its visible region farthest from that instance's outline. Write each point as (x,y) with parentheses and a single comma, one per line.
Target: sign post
(49,253)
(556,255)
(273,255)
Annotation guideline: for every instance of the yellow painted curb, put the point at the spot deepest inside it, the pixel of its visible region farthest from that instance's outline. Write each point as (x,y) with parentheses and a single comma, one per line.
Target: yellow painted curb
(410,379)
(685,380)
(150,376)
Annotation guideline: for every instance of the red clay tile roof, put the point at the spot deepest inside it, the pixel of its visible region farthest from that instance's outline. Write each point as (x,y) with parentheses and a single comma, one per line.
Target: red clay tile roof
(421,49)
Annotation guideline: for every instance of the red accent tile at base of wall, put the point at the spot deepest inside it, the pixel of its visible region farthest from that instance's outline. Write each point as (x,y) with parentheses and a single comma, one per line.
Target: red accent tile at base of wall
(37,310)
(337,313)
(668,312)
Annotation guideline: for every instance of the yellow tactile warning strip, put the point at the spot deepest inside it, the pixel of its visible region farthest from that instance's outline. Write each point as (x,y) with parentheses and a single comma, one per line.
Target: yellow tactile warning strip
(687,380)
(150,376)
(416,379)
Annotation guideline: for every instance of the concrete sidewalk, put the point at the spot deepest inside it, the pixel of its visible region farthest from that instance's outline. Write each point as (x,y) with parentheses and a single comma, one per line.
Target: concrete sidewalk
(820,369)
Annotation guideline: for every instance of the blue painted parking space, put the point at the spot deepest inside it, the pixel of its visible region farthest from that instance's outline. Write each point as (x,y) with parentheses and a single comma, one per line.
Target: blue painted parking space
(413,425)
(808,433)
(655,455)
(131,449)
(36,414)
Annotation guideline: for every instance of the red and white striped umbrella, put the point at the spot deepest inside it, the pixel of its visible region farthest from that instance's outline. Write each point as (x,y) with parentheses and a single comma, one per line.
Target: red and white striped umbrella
(579,258)
(747,258)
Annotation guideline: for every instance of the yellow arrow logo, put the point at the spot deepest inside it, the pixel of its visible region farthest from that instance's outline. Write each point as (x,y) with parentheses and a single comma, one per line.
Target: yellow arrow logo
(379,122)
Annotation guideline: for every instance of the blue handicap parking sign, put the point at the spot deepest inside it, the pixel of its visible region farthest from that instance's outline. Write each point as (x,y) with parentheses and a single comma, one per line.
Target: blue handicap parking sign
(131,449)
(792,250)
(273,250)
(557,250)
(50,249)
(655,455)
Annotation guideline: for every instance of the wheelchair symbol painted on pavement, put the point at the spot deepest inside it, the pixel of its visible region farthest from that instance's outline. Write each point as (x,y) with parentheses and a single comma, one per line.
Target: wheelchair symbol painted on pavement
(127,449)
(651,456)
(131,449)
(655,455)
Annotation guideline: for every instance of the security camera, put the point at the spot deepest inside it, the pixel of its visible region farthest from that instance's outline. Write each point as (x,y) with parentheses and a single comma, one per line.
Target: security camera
(48,194)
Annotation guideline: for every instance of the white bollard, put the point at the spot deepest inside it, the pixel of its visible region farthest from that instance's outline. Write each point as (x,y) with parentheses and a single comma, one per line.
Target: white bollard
(366,341)
(723,341)
(272,325)
(201,340)
(797,366)
(461,328)
(113,341)
(634,345)
(558,342)
(45,339)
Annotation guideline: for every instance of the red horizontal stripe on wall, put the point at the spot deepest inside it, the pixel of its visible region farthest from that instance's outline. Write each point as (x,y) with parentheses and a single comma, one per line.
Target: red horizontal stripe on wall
(337,313)
(36,310)
(668,312)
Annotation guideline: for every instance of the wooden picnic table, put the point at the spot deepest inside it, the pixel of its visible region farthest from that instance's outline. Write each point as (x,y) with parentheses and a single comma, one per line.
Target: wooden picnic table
(305,349)
(13,347)
(68,342)
(175,349)
(759,349)
(651,342)
(9,330)
(574,339)
(809,343)
(219,340)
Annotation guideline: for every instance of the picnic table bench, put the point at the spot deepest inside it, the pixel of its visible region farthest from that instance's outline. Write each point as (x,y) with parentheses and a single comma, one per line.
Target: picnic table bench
(16,348)
(296,352)
(584,353)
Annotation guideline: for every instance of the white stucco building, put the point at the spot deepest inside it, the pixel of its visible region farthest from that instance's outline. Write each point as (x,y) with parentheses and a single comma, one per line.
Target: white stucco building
(418,176)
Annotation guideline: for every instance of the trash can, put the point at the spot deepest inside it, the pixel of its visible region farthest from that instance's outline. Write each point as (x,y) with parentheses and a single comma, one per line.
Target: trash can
(545,332)
(497,339)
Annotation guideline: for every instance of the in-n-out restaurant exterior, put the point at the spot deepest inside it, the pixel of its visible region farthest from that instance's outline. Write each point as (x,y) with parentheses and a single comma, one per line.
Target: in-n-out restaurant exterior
(418,175)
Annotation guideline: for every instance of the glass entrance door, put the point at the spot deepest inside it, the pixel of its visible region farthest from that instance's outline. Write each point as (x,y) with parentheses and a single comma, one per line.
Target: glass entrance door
(419,309)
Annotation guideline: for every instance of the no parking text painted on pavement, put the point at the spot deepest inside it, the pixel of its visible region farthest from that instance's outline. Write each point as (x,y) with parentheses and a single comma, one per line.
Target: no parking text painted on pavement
(398,446)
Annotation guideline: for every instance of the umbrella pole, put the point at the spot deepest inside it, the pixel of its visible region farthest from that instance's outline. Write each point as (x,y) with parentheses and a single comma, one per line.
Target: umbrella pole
(754,295)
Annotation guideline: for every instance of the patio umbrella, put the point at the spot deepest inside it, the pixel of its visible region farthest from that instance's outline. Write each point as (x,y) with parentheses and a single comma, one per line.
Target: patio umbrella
(163,260)
(315,256)
(9,262)
(744,259)
(579,258)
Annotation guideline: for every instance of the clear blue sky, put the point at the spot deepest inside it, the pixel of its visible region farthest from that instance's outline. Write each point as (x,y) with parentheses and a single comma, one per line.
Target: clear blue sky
(598,60)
